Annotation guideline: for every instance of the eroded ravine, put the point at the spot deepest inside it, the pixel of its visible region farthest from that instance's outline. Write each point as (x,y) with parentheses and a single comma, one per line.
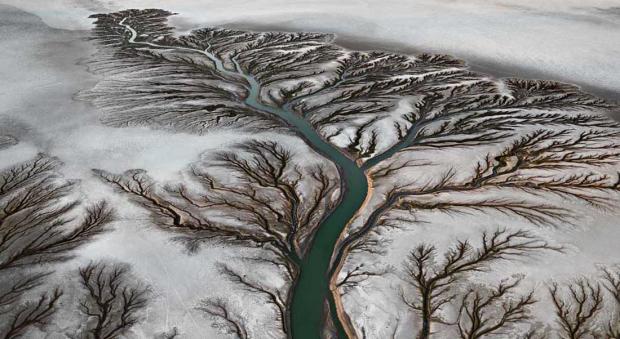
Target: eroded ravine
(312,287)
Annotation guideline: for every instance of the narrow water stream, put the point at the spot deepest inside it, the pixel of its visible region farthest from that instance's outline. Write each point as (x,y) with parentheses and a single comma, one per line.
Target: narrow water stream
(307,309)
(312,287)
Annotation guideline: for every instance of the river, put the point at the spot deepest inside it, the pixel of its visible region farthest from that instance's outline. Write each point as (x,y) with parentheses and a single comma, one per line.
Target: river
(312,287)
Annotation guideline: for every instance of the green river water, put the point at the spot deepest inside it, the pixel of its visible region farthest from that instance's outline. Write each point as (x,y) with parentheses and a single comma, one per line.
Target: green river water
(312,288)
(311,291)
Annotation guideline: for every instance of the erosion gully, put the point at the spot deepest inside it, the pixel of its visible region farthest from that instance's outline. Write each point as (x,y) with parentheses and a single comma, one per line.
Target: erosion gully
(312,288)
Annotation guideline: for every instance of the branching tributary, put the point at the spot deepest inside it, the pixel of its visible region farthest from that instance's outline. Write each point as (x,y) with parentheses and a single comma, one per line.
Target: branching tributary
(312,287)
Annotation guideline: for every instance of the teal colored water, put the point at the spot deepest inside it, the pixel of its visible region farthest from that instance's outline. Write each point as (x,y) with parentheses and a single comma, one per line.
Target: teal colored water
(312,287)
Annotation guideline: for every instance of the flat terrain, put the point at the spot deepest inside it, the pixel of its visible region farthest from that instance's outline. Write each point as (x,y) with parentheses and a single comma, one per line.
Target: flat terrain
(224,182)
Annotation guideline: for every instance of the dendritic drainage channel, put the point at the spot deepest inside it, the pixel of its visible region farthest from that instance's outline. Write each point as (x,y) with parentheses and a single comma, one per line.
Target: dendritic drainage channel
(357,109)
(312,287)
